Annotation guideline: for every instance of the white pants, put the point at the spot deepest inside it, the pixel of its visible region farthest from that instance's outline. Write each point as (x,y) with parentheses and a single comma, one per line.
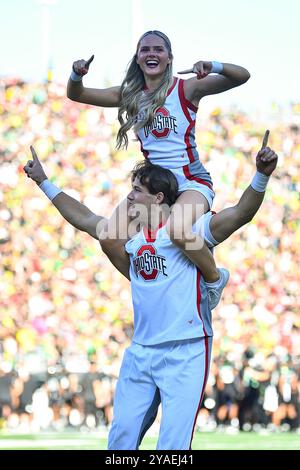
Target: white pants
(173,373)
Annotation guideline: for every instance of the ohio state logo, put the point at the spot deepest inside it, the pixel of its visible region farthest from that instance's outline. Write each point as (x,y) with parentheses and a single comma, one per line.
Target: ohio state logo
(148,264)
(162,124)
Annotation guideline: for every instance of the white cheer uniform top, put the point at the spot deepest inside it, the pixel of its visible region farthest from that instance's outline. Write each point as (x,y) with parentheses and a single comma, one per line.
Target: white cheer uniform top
(169,294)
(170,139)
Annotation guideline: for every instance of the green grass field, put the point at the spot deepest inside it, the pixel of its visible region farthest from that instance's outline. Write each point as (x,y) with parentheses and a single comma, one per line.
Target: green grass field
(202,441)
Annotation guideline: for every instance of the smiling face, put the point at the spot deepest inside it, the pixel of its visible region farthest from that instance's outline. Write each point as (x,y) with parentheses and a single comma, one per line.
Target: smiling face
(153,55)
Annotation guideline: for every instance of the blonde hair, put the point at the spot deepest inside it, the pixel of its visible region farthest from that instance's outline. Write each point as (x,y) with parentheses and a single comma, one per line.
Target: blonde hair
(139,108)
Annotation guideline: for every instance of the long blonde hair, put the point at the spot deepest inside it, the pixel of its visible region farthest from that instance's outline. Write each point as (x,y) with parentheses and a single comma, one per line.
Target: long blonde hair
(139,108)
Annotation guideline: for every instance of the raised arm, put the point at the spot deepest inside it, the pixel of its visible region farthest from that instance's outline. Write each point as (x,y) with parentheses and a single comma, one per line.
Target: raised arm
(227,221)
(211,78)
(107,97)
(74,212)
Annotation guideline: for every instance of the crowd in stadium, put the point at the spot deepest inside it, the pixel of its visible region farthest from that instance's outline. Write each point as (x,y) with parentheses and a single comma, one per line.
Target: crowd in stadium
(66,314)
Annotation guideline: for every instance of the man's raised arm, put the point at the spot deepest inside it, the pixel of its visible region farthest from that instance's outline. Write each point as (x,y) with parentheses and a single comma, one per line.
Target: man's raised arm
(227,221)
(74,212)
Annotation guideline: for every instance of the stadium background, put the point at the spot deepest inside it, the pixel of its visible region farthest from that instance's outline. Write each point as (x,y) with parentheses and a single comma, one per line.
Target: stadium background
(66,315)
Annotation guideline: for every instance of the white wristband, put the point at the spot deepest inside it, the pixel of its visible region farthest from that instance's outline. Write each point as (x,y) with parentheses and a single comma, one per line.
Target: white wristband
(75,77)
(216,67)
(50,189)
(259,182)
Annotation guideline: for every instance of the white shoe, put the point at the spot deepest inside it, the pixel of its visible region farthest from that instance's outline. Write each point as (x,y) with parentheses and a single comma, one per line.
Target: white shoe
(215,289)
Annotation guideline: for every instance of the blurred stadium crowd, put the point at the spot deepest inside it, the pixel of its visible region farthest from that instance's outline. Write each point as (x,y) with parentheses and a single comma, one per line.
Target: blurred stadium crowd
(66,314)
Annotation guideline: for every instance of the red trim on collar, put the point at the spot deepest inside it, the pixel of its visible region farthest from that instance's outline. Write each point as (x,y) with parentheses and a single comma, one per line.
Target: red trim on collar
(151,235)
(172,87)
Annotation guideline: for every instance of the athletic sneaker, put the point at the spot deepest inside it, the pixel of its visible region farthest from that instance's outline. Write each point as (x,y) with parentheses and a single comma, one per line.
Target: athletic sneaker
(215,289)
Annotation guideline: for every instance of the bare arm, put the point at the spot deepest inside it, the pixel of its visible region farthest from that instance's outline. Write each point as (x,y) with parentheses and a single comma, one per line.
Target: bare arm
(77,214)
(107,97)
(227,221)
(206,84)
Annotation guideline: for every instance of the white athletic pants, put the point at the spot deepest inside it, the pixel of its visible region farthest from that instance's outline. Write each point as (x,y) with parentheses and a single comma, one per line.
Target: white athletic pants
(173,373)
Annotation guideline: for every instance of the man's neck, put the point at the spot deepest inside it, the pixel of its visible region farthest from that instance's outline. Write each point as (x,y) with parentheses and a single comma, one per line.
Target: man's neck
(157,219)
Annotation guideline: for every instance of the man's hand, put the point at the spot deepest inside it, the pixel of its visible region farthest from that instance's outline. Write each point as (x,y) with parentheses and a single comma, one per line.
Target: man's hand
(34,169)
(266,159)
(201,68)
(81,67)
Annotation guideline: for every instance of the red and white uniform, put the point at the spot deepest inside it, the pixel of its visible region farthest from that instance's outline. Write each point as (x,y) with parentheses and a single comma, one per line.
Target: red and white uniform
(170,142)
(168,292)
(168,361)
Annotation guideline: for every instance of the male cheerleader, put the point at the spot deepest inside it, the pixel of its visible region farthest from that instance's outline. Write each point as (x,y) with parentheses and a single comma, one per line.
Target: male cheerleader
(168,360)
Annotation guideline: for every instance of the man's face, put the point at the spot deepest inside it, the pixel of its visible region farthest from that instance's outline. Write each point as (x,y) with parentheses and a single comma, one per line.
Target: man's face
(140,201)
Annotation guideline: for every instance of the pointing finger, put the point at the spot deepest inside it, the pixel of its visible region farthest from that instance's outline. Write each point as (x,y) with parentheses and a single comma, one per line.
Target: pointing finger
(89,61)
(187,71)
(265,139)
(34,155)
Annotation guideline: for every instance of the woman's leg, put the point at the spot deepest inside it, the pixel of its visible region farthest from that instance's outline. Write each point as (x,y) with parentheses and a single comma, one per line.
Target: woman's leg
(189,207)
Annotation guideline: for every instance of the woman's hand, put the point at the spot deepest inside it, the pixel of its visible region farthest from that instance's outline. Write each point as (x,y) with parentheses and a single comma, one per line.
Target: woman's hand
(81,67)
(201,68)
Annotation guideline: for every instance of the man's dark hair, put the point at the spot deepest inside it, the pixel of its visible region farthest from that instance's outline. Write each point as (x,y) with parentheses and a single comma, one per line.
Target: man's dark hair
(157,179)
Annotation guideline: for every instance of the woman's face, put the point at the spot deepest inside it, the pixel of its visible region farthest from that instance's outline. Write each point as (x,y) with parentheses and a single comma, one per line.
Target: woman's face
(152,55)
